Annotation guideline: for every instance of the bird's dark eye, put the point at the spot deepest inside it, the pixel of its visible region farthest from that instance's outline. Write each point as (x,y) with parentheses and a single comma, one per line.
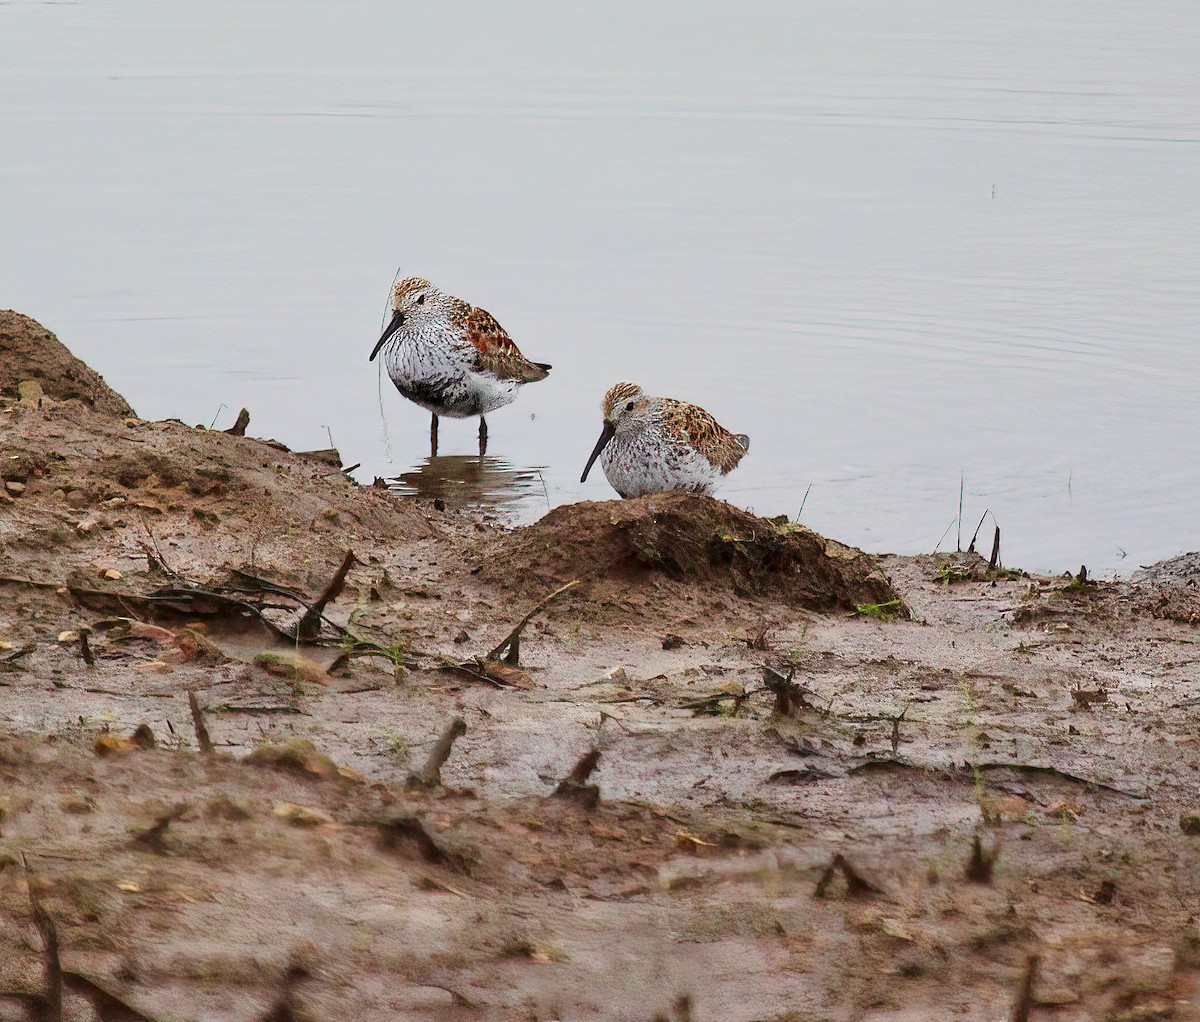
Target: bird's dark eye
(629,407)
(421,300)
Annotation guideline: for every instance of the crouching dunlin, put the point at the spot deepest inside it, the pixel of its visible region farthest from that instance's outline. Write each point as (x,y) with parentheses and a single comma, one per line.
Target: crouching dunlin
(450,357)
(653,444)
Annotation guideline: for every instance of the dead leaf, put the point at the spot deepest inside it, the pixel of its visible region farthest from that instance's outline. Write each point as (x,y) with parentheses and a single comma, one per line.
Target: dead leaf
(895,928)
(301,816)
(689,840)
(1065,809)
(107,745)
(545,954)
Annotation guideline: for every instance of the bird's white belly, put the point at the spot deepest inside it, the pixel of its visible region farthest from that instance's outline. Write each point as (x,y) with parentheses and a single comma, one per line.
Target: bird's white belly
(635,469)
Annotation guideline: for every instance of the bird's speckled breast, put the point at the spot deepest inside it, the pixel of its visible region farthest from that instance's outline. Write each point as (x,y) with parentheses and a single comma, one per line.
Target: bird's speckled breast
(436,371)
(645,461)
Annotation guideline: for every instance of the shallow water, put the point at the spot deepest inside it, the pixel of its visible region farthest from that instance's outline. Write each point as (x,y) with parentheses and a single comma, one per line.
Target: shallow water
(899,244)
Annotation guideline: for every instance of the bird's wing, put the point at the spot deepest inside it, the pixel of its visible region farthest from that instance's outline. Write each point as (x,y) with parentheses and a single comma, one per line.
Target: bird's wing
(496,352)
(708,436)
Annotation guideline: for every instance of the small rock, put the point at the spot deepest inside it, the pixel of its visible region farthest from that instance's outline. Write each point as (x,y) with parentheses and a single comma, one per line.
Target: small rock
(77,498)
(1189,823)
(672,641)
(15,488)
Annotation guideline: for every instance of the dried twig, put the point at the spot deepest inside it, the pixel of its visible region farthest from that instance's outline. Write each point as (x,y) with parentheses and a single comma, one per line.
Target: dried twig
(310,623)
(202,738)
(574,786)
(1024,1002)
(85,649)
(512,641)
(994,560)
(50,1002)
(239,427)
(155,837)
(789,696)
(975,534)
(430,775)
(981,864)
(896,729)
(856,884)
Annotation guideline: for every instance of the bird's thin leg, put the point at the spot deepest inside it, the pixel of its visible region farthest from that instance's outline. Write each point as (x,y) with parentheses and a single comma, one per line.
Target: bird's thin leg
(482,436)
(433,436)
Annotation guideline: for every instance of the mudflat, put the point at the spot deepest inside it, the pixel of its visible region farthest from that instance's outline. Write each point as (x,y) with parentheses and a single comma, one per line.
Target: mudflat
(274,744)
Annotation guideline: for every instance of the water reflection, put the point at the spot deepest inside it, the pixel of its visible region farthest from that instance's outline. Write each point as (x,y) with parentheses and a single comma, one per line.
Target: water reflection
(485,481)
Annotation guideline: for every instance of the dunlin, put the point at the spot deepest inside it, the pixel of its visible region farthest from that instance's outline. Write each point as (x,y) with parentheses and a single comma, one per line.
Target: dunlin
(450,357)
(654,444)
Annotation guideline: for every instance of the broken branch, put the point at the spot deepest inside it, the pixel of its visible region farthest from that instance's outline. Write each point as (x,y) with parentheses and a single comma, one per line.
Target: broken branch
(512,641)
(982,863)
(856,884)
(310,623)
(50,1002)
(239,427)
(1024,1003)
(202,738)
(430,775)
(574,786)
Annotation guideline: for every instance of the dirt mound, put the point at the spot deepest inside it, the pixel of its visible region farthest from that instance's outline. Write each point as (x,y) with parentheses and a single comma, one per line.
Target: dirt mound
(688,537)
(28,351)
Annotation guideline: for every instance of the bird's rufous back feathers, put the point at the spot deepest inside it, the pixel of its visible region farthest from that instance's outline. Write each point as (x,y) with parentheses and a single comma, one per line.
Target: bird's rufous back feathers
(498,353)
(709,437)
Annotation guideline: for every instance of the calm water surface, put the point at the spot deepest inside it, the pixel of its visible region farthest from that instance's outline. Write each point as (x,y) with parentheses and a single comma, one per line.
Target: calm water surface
(898,243)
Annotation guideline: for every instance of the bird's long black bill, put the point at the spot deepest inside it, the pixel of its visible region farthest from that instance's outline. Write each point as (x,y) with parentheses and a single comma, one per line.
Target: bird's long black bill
(396,323)
(605,436)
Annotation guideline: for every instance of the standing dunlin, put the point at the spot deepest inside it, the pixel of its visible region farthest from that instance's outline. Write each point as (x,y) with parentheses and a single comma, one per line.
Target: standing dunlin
(450,357)
(654,444)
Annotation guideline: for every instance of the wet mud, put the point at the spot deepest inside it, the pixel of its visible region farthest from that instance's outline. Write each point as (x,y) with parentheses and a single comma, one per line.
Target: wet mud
(737,772)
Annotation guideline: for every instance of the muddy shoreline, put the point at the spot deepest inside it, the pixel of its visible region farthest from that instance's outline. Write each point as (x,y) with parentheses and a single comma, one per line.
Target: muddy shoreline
(766,703)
